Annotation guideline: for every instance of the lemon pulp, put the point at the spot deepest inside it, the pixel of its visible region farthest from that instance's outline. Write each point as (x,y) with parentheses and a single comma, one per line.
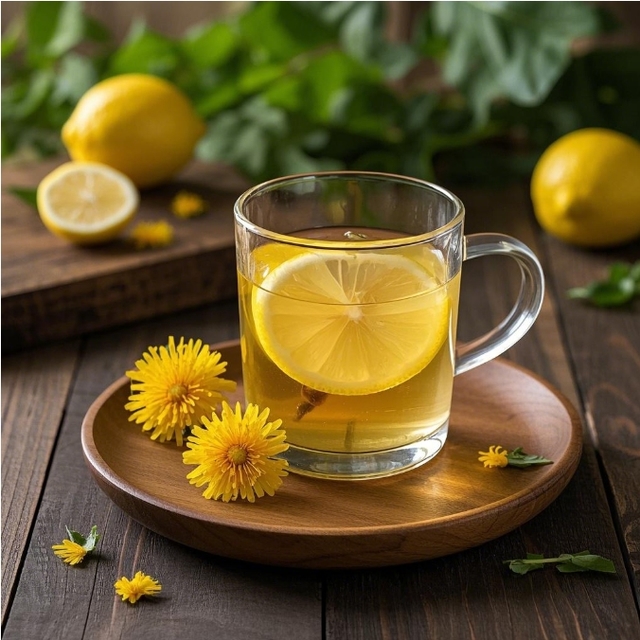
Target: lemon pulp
(351,323)
(86,203)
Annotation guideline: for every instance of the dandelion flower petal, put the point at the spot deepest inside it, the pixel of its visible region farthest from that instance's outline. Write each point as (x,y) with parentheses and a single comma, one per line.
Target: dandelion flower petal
(235,454)
(149,235)
(70,552)
(140,585)
(495,457)
(175,386)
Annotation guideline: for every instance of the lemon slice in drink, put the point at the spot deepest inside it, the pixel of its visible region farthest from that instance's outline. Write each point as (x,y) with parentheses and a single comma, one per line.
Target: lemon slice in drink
(86,203)
(351,324)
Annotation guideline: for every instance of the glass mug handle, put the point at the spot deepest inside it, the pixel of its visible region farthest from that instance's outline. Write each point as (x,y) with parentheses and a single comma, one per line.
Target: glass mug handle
(525,310)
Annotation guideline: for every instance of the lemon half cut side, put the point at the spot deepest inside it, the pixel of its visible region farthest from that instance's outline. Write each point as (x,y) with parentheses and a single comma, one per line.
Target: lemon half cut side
(86,203)
(351,324)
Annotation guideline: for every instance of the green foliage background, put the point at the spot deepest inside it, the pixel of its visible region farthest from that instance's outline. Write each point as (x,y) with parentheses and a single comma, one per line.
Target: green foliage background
(289,87)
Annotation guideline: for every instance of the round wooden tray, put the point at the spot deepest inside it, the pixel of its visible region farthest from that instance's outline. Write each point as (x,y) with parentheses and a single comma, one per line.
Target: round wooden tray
(449,504)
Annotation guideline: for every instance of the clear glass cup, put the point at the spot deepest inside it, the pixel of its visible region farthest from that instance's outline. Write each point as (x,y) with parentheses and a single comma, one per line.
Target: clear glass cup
(348,292)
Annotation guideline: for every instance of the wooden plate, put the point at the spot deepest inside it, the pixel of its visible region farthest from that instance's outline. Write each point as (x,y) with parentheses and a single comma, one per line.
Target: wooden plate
(450,504)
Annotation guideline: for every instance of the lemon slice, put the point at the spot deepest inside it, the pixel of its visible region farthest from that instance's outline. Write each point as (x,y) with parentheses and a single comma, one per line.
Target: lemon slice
(351,324)
(86,203)
(268,257)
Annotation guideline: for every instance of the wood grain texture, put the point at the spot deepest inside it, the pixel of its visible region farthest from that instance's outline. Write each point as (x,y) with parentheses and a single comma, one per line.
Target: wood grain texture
(202,596)
(605,349)
(34,393)
(52,289)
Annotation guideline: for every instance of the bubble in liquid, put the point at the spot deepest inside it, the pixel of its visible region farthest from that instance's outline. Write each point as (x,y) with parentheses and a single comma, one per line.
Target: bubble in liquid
(350,235)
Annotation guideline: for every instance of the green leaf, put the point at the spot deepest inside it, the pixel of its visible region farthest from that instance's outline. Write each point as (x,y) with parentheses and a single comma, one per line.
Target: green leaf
(77,74)
(27,195)
(69,29)
(516,50)
(266,117)
(258,77)
(619,271)
(522,566)
(92,539)
(218,98)
(568,567)
(329,82)
(291,159)
(565,563)
(38,89)
(41,22)
(286,93)
(88,543)
(605,294)
(210,46)
(282,30)
(145,52)
(96,31)
(360,31)
(232,138)
(76,537)
(217,142)
(362,37)
(11,37)
(395,60)
(518,458)
(591,562)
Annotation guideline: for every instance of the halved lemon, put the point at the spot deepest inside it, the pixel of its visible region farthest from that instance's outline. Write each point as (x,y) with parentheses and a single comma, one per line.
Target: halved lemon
(351,323)
(86,203)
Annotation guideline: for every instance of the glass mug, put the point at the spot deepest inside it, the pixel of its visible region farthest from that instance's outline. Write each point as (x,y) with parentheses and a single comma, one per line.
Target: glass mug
(348,294)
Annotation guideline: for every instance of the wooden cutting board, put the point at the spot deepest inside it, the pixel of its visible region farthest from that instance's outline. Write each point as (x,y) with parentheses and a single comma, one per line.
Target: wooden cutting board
(52,289)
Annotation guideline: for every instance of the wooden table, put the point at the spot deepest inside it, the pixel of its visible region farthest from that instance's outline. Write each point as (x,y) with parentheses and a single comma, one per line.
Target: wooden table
(591,355)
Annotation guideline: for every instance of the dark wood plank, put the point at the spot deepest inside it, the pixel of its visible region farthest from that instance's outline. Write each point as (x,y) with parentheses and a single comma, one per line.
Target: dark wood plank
(203,596)
(35,387)
(605,349)
(52,289)
(471,594)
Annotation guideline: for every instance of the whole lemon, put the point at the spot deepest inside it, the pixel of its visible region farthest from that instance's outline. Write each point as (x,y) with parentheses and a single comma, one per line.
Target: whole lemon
(139,124)
(586,188)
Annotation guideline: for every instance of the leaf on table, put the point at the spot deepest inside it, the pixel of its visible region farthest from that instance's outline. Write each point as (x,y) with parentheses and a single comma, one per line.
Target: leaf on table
(621,286)
(27,195)
(518,458)
(565,563)
(586,561)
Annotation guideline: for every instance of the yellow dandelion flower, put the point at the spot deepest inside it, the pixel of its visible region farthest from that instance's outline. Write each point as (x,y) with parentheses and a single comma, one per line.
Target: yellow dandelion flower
(235,454)
(140,585)
(173,387)
(149,235)
(495,457)
(74,549)
(187,205)
(70,552)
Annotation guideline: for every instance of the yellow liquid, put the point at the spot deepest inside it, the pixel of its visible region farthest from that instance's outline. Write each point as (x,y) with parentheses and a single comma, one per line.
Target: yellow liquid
(401,415)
